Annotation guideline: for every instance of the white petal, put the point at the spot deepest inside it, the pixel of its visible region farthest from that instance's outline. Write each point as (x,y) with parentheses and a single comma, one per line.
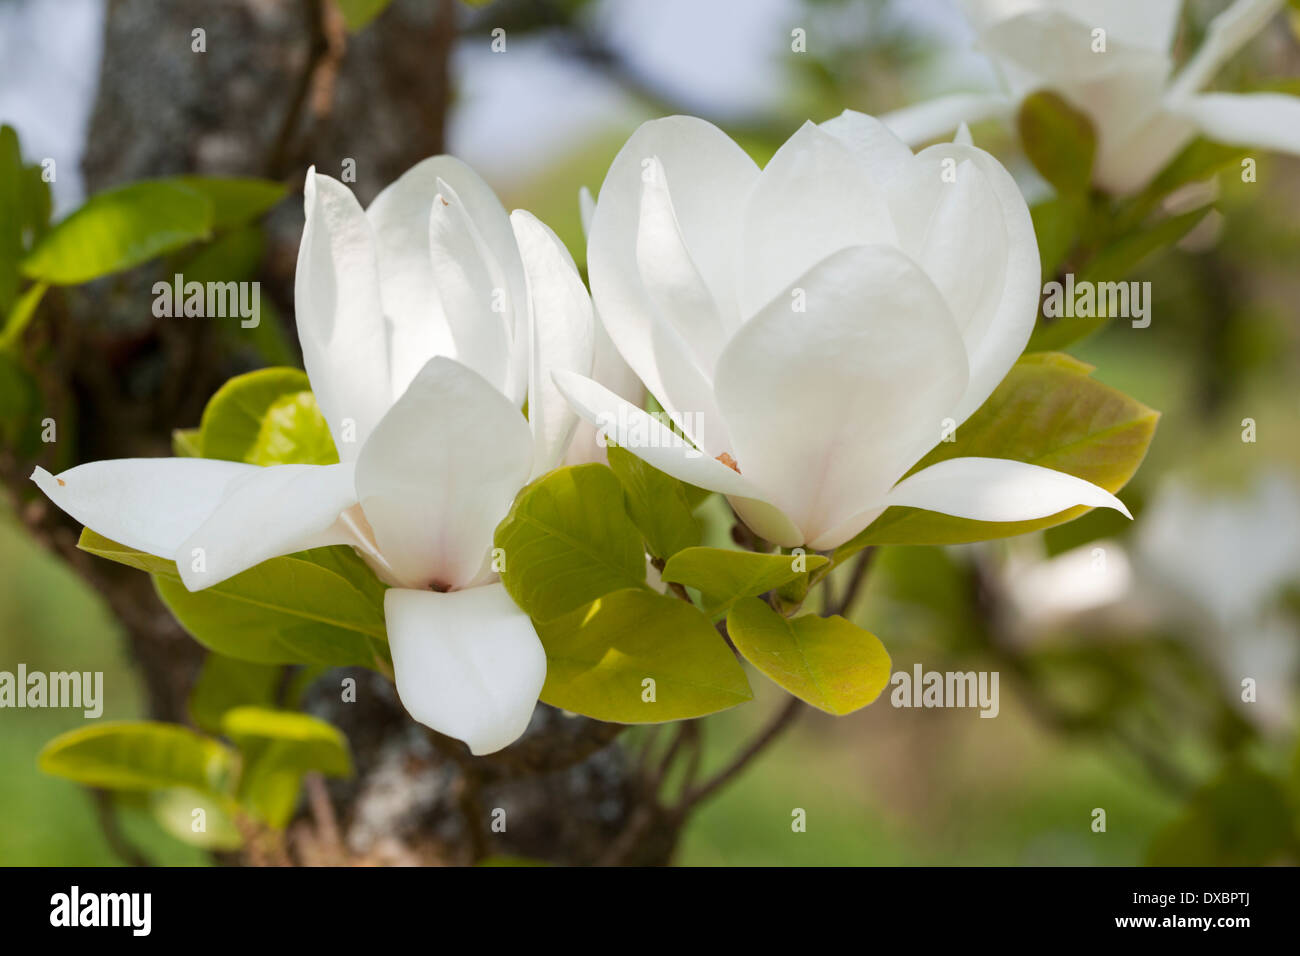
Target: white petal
(828,407)
(672,282)
(586,209)
(1146,23)
(814,198)
(150,504)
(1268,120)
(467,663)
(439,473)
(996,489)
(266,513)
(975,239)
(340,320)
(400,216)
(560,335)
(872,143)
(1227,33)
(710,178)
(646,437)
(937,118)
(471,290)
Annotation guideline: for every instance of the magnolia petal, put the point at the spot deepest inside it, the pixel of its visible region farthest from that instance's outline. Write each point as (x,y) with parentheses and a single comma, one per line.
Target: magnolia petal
(400,216)
(872,143)
(1268,120)
(267,513)
(470,288)
(466,663)
(439,473)
(674,285)
(710,178)
(586,209)
(973,235)
(340,320)
(560,335)
(150,504)
(829,406)
(645,436)
(937,118)
(1147,23)
(996,489)
(1227,33)
(814,198)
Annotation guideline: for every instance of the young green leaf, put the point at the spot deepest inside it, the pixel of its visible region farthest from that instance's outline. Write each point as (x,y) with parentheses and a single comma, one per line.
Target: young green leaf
(1047,412)
(637,657)
(232,421)
(118,229)
(305,742)
(1059,141)
(723,577)
(322,606)
(828,662)
(568,539)
(174,808)
(657,504)
(293,432)
(225,683)
(139,755)
(235,201)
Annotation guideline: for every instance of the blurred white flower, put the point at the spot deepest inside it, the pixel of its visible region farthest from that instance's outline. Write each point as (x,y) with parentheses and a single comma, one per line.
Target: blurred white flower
(425,321)
(812,326)
(1144,112)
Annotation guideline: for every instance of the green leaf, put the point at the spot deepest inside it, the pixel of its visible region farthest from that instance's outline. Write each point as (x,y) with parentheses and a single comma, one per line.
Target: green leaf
(601,658)
(828,662)
(278,748)
(174,808)
(304,742)
(359,13)
(225,683)
(723,577)
(186,443)
(139,755)
(118,229)
(1048,412)
(235,201)
(293,432)
(19,400)
(1059,140)
(232,420)
(11,238)
(1112,264)
(1057,223)
(322,606)
(657,504)
(568,539)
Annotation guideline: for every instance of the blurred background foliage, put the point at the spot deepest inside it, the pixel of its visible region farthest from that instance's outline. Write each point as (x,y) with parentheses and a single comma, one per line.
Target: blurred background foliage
(1120,673)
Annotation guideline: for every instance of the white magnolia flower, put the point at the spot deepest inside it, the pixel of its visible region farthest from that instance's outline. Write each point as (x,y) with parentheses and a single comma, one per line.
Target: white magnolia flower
(1144,112)
(425,321)
(814,323)
(607,367)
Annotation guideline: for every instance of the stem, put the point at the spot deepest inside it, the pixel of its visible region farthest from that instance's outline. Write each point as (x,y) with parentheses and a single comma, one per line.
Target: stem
(784,718)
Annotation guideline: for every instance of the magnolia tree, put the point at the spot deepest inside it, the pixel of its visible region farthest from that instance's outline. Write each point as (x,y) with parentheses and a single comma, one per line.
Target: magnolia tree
(493,488)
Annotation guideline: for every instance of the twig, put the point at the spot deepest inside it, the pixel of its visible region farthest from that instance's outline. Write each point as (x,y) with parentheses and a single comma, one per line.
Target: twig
(780,722)
(106,813)
(858,575)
